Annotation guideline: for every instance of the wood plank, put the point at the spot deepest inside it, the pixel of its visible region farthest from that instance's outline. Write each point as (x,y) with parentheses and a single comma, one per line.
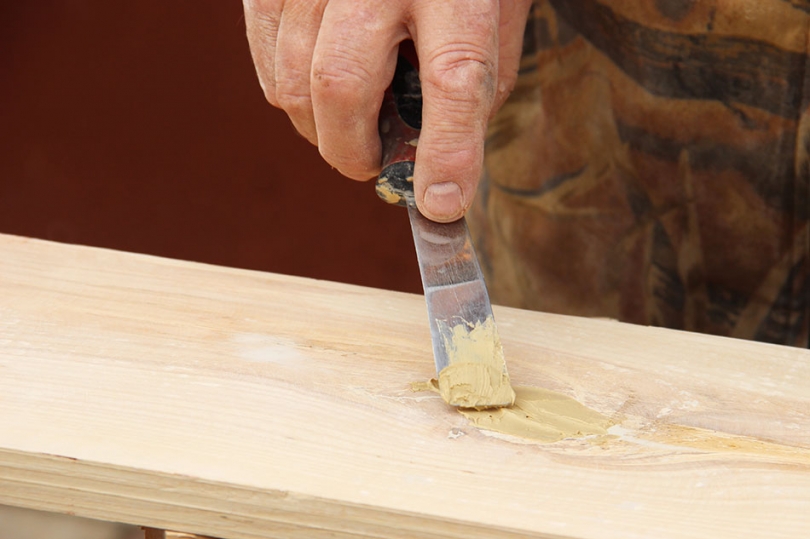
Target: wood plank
(238,404)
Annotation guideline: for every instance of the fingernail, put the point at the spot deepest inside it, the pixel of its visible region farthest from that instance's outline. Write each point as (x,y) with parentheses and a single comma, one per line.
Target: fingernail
(443,201)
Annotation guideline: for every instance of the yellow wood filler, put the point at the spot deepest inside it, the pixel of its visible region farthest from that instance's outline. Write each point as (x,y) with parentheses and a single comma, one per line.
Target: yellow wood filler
(476,375)
(538,414)
(541,415)
(386,192)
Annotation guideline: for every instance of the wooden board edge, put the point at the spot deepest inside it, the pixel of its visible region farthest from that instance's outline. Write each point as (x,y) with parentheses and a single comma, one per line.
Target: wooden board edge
(166,501)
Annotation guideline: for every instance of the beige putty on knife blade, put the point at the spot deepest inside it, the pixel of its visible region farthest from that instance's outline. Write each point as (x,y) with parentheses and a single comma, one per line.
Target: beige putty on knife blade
(476,375)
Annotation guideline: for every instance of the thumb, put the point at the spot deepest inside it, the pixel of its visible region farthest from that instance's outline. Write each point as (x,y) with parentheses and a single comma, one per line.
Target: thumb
(457,43)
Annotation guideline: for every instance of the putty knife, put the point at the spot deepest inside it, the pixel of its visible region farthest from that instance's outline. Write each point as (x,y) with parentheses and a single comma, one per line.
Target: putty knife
(466,347)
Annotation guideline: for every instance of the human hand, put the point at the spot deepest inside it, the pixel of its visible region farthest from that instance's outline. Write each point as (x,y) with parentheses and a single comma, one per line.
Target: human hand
(327,64)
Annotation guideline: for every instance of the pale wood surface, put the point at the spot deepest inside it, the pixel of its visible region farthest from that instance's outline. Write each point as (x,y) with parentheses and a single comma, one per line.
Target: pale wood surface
(239,404)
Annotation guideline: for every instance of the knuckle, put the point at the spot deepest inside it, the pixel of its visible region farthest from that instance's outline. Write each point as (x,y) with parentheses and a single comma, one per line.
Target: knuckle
(355,164)
(267,82)
(293,103)
(340,72)
(463,72)
(269,94)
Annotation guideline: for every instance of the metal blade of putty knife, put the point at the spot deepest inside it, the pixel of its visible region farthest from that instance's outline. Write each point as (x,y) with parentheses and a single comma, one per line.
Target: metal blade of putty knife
(466,346)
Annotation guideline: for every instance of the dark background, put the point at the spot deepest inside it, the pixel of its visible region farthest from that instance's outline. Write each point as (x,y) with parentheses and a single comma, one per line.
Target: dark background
(140,126)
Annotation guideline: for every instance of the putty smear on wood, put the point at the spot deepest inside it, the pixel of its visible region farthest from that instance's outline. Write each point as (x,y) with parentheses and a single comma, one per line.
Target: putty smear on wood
(541,415)
(538,414)
(476,375)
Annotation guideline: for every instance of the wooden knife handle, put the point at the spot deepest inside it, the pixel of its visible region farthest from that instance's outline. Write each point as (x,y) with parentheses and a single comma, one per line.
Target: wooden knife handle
(400,123)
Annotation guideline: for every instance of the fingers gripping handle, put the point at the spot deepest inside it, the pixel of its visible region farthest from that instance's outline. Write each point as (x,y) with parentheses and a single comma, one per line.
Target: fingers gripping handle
(400,123)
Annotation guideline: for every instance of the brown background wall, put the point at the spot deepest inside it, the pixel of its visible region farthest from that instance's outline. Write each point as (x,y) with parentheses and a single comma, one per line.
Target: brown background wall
(140,126)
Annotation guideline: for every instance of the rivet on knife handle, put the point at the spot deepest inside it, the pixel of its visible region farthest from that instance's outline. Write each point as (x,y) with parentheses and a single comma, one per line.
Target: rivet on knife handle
(466,345)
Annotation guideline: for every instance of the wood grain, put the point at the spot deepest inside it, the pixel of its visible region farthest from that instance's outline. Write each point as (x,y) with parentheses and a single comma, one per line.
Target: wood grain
(239,404)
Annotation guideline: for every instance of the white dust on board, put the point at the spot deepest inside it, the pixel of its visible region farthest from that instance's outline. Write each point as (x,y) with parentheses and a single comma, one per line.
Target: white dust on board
(263,348)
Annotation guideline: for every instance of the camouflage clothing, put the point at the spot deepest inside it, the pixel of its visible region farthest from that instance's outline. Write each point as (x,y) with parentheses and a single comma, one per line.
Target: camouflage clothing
(652,166)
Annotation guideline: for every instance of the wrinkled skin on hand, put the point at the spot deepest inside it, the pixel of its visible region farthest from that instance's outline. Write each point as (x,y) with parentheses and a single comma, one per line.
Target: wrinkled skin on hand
(327,63)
